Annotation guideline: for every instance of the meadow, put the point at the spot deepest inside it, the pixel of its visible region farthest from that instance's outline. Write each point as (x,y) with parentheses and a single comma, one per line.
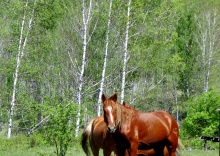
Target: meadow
(35,146)
(77,151)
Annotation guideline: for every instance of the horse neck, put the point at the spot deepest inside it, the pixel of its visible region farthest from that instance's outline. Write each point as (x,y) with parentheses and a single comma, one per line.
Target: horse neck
(124,114)
(118,118)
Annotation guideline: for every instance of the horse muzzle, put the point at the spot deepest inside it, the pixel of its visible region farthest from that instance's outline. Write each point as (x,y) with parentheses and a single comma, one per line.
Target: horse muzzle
(112,129)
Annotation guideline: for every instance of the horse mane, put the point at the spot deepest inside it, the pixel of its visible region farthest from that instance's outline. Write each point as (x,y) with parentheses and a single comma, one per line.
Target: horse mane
(124,114)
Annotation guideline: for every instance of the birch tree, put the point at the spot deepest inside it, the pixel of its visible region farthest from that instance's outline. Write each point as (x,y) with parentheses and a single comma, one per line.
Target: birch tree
(208,41)
(86,18)
(21,48)
(105,59)
(125,52)
(186,48)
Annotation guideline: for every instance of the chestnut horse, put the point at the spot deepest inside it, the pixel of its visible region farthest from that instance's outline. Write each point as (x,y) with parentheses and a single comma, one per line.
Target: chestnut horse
(96,135)
(155,130)
(99,137)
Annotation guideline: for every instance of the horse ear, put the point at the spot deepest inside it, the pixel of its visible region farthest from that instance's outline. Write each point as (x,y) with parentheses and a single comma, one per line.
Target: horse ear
(124,103)
(103,98)
(114,97)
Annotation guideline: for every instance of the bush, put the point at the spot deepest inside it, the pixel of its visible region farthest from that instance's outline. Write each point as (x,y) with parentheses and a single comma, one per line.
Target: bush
(60,128)
(202,118)
(37,139)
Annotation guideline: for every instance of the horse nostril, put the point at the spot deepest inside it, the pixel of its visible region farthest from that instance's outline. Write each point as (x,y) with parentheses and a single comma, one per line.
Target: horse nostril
(111,129)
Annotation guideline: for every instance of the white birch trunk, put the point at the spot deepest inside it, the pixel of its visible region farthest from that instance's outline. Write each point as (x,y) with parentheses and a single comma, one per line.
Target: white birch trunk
(85,30)
(208,43)
(125,53)
(105,59)
(175,94)
(21,48)
(212,37)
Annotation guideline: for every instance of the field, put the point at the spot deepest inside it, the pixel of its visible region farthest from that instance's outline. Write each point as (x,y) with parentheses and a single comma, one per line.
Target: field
(77,151)
(29,146)
(40,151)
(200,153)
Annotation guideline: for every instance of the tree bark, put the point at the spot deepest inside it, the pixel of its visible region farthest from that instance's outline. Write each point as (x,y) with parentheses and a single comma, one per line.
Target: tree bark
(105,59)
(21,48)
(125,53)
(208,43)
(86,20)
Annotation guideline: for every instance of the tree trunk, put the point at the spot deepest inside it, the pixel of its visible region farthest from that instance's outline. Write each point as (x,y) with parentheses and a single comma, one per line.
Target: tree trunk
(125,53)
(212,37)
(86,20)
(208,43)
(21,47)
(105,59)
(175,94)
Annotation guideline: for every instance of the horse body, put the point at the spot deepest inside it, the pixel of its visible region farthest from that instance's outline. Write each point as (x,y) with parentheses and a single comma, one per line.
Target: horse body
(101,138)
(97,135)
(155,130)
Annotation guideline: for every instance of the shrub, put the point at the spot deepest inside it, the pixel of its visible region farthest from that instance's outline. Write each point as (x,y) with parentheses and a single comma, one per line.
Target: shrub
(59,130)
(202,118)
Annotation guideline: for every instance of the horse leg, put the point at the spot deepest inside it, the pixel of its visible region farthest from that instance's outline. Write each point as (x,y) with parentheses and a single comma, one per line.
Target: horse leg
(134,149)
(95,150)
(171,150)
(166,151)
(172,153)
(172,146)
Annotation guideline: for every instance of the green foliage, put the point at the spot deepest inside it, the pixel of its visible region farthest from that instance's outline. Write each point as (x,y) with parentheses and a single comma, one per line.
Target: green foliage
(187,49)
(60,128)
(48,12)
(162,52)
(19,142)
(37,140)
(202,118)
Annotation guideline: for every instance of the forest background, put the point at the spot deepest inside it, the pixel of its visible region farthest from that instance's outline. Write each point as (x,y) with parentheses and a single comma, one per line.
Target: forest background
(58,56)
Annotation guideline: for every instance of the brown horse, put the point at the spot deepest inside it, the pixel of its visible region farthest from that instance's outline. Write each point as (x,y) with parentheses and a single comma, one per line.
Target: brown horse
(131,128)
(99,137)
(96,136)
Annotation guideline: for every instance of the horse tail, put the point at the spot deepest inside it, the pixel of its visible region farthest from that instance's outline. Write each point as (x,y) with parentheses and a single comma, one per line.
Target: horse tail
(180,144)
(84,138)
(179,147)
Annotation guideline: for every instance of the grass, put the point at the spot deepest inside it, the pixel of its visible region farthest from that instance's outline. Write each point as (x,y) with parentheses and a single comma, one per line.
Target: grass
(77,151)
(34,146)
(200,153)
(40,151)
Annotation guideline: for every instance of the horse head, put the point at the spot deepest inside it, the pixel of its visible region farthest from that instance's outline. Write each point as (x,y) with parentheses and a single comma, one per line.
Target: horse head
(110,112)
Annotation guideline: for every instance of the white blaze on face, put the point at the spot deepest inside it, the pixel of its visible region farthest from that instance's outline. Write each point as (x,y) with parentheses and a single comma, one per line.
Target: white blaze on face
(110,114)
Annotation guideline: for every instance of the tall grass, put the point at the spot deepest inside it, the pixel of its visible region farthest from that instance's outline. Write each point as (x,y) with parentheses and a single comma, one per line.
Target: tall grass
(77,151)
(34,145)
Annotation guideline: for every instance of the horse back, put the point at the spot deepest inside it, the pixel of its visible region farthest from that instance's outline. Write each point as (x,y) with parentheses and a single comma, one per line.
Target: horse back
(155,126)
